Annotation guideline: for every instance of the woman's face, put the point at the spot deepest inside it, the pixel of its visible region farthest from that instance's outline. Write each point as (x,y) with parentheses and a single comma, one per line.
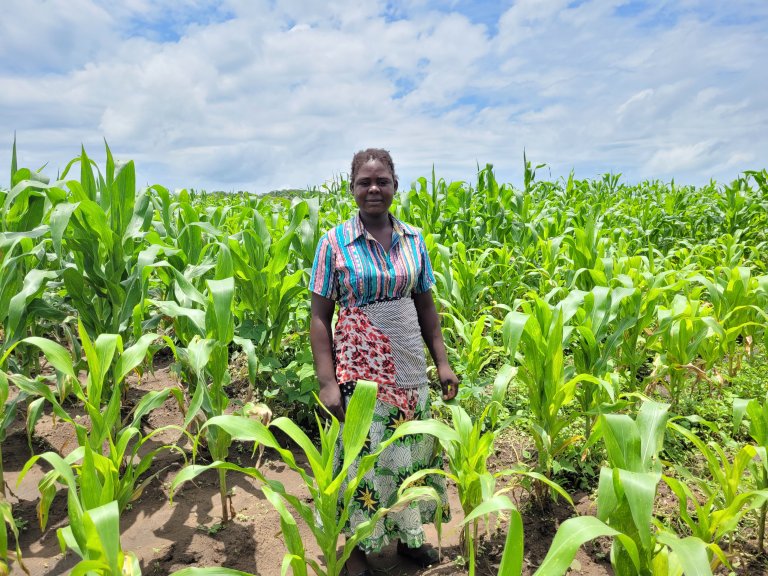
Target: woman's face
(374,188)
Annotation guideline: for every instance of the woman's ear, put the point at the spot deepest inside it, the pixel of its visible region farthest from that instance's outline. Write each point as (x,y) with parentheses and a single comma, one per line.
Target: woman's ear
(396,183)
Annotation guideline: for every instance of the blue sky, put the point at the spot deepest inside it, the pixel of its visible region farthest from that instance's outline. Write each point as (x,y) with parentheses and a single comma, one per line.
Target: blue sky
(265,94)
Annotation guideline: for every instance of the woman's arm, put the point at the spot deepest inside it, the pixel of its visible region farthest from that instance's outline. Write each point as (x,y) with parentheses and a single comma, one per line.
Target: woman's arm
(429,322)
(321,339)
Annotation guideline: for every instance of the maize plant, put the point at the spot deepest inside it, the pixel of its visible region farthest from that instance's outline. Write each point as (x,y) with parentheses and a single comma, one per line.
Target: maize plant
(734,299)
(109,461)
(718,516)
(468,444)
(756,413)
(8,410)
(207,362)
(94,535)
(8,521)
(330,496)
(535,339)
(681,330)
(625,499)
(599,326)
(585,250)
(101,224)
(266,286)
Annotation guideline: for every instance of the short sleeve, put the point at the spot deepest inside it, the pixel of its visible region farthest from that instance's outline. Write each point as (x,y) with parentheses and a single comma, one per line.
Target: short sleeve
(322,281)
(426,277)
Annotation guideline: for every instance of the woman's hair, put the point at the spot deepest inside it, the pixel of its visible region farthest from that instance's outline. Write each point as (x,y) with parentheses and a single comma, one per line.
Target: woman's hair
(367,155)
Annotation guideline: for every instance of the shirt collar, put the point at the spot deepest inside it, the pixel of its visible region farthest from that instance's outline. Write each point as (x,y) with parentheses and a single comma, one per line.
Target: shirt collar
(356,229)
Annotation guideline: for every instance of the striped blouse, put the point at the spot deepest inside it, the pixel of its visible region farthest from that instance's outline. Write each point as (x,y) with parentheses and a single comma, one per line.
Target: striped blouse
(352,267)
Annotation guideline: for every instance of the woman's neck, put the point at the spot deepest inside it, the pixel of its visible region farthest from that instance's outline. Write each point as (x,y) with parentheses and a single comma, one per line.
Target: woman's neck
(376,222)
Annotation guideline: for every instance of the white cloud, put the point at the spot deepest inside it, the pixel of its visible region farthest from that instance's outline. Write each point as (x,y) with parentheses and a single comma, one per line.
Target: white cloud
(637,100)
(682,157)
(44,37)
(244,94)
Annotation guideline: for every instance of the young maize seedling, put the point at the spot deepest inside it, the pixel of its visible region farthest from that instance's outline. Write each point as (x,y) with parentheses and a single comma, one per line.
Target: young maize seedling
(331,505)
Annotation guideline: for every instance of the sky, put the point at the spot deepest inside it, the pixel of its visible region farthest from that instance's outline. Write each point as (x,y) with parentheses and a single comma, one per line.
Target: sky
(260,95)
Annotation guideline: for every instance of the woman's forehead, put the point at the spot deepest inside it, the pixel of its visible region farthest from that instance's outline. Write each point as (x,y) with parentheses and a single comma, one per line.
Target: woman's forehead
(373,166)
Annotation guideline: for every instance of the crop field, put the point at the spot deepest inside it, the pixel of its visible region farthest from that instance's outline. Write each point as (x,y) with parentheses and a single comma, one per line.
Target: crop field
(158,394)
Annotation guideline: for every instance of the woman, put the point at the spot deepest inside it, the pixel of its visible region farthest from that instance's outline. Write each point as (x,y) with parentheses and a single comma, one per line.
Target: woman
(378,270)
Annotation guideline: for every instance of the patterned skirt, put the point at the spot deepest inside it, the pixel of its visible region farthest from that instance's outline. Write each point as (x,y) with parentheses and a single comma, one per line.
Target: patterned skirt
(382,342)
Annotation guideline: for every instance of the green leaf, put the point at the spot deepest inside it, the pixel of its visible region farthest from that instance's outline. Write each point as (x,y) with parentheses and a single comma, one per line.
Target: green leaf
(34,283)
(56,354)
(498,503)
(60,217)
(154,399)
(290,533)
(14,165)
(296,434)
(194,470)
(739,409)
(220,323)
(622,441)
(640,491)
(172,309)
(133,356)
(571,535)
(651,423)
(501,383)
(512,330)
(105,533)
(358,419)
(244,429)
(444,433)
(691,552)
(512,557)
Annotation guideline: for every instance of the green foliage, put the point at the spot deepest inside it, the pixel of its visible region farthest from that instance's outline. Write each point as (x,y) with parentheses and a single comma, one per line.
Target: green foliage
(756,413)
(599,328)
(109,462)
(626,494)
(7,521)
(535,338)
(331,498)
(95,537)
(468,444)
(725,503)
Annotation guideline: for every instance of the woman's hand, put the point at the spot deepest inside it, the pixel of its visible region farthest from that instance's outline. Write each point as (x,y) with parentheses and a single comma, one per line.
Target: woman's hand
(449,382)
(433,337)
(330,397)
